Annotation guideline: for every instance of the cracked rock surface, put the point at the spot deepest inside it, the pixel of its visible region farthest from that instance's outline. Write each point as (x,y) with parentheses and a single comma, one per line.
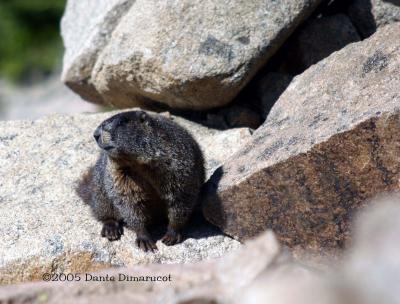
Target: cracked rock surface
(331,142)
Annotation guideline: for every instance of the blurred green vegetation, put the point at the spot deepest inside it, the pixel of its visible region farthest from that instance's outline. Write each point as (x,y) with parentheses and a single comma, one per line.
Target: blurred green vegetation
(30,43)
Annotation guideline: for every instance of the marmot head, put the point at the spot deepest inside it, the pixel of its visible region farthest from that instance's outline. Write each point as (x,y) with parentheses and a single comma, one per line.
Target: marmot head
(133,135)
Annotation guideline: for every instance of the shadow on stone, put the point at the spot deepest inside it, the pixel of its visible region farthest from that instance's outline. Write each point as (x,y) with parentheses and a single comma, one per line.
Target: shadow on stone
(395,2)
(210,202)
(197,228)
(362,17)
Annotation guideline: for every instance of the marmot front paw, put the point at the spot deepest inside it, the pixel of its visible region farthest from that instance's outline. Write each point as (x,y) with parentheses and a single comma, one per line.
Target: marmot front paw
(112,231)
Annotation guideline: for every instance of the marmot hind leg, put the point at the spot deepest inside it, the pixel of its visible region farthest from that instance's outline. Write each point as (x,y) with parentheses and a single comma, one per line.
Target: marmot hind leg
(178,216)
(144,240)
(136,219)
(172,237)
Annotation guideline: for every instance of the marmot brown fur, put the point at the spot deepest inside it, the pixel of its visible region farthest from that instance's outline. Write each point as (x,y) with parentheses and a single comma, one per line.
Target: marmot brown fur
(148,167)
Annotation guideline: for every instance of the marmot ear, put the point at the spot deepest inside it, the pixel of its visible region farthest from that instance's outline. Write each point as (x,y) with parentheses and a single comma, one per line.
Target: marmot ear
(142,117)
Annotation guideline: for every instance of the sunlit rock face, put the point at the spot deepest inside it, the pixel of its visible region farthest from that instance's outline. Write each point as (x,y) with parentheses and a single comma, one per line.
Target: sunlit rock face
(192,55)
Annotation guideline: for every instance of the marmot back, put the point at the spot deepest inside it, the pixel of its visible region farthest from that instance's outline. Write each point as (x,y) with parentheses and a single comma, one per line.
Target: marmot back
(148,167)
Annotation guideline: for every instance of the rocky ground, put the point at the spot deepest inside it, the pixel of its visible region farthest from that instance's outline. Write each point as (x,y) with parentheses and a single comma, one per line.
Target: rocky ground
(299,123)
(260,272)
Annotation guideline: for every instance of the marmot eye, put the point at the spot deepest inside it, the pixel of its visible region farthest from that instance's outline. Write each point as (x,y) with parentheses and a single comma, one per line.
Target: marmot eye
(142,117)
(122,121)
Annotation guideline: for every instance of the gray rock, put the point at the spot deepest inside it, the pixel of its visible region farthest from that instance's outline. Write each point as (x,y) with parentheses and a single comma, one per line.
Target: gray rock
(205,282)
(368,15)
(313,41)
(185,54)
(372,269)
(368,274)
(291,283)
(44,226)
(330,142)
(321,37)
(260,272)
(86,28)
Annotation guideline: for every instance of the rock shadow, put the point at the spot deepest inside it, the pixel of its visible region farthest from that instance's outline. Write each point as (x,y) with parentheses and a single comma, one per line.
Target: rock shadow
(197,228)
(395,2)
(363,19)
(210,201)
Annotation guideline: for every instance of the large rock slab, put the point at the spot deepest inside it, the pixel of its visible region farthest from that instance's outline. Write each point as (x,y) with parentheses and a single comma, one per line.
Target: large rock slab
(369,274)
(45,227)
(368,15)
(185,54)
(331,141)
(206,282)
(86,28)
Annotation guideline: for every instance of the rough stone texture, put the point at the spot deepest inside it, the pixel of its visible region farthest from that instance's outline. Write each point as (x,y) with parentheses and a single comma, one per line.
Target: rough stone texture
(185,54)
(86,28)
(215,280)
(45,226)
(260,272)
(319,38)
(368,15)
(369,273)
(331,141)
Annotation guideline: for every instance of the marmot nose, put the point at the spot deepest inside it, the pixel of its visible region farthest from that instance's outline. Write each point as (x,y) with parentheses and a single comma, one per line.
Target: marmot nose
(96,135)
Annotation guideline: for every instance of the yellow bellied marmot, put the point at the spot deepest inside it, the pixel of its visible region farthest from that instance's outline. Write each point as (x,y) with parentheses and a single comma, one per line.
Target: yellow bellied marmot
(149,167)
